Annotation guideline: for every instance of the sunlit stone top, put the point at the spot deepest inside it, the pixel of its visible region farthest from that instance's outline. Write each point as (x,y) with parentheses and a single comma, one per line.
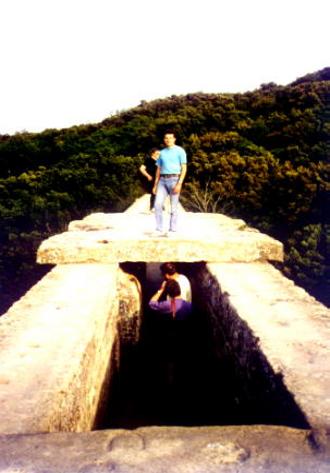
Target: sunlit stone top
(128,236)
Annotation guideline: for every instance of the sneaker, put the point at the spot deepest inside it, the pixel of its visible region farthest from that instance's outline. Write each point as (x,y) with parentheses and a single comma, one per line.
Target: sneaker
(172,234)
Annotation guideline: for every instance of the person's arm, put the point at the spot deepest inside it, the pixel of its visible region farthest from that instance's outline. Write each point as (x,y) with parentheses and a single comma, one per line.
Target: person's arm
(157,177)
(158,294)
(143,170)
(154,303)
(183,173)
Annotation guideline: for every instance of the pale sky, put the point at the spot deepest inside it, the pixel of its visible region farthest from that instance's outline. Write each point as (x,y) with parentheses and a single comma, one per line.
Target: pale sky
(69,62)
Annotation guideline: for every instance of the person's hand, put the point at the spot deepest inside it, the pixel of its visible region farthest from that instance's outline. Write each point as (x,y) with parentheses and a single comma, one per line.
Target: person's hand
(154,189)
(149,178)
(162,287)
(159,293)
(177,188)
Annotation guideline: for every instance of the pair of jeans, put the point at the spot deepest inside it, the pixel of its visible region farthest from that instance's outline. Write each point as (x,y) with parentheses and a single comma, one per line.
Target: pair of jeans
(165,187)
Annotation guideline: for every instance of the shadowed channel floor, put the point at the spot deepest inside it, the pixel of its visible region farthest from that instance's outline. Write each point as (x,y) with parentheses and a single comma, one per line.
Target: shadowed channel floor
(171,378)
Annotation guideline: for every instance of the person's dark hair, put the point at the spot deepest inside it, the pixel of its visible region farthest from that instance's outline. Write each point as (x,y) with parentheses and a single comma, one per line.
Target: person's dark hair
(152,151)
(170,132)
(168,268)
(173,288)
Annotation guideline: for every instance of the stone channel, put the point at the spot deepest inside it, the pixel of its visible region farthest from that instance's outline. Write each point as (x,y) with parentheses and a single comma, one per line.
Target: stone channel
(84,366)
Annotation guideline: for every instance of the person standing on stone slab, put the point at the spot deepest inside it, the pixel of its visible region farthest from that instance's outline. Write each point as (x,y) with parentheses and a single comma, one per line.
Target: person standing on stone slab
(148,170)
(170,173)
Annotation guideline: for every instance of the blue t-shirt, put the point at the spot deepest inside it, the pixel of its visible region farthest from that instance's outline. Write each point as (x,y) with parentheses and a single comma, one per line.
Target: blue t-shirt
(170,160)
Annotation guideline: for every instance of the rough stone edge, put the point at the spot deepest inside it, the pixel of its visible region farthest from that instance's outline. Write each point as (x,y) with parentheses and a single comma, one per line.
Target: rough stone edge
(298,295)
(172,449)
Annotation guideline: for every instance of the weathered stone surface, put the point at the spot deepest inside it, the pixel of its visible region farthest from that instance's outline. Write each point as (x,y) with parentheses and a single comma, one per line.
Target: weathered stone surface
(257,304)
(110,238)
(129,295)
(162,449)
(57,344)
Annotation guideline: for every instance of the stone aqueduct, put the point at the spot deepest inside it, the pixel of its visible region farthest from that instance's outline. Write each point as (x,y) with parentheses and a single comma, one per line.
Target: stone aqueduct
(61,343)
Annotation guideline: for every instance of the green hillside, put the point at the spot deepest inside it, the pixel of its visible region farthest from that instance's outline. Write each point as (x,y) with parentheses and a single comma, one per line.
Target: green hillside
(262,156)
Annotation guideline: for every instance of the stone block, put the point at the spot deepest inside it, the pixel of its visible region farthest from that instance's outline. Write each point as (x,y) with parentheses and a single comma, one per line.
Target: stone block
(58,345)
(227,449)
(257,307)
(128,236)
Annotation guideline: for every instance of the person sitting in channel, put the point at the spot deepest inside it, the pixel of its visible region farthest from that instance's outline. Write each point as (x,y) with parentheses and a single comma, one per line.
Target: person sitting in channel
(175,306)
(170,272)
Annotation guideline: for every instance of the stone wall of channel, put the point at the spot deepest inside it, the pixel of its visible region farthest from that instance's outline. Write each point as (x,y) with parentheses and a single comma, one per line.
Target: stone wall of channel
(60,344)
(258,390)
(129,309)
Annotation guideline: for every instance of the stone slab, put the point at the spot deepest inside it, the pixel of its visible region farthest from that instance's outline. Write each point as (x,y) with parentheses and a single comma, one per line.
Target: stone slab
(55,346)
(293,330)
(238,449)
(128,236)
